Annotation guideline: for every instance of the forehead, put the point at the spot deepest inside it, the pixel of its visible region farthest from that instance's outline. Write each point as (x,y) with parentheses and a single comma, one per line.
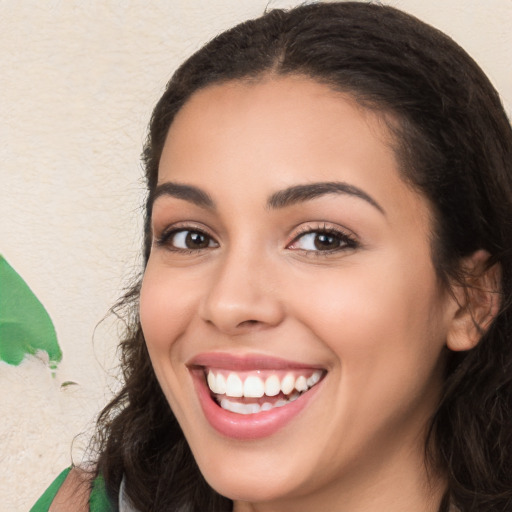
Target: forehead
(269,103)
(288,118)
(278,132)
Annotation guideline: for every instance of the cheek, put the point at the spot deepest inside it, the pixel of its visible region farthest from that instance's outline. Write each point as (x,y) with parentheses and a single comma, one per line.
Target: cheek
(384,322)
(165,308)
(387,339)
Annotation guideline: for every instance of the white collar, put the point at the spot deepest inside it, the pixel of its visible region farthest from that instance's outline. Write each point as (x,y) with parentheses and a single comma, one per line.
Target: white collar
(125,504)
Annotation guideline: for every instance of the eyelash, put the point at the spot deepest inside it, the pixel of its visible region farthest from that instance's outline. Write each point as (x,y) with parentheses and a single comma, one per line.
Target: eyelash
(345,240)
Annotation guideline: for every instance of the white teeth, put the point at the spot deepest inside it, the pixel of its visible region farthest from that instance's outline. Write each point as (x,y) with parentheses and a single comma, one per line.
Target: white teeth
(216,383)
(254,408)
(288,384)
(314,378)
(221,384)
(253,387)
(272,386)
(241,408)
(212,383)
(234,386)
(238,407)
(301,384)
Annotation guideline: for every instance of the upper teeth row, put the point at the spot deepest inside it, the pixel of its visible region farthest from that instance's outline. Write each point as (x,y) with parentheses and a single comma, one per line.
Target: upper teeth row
(255,387)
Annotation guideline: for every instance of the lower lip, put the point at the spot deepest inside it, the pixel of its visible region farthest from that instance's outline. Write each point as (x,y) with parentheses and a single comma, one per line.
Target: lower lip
(248,426)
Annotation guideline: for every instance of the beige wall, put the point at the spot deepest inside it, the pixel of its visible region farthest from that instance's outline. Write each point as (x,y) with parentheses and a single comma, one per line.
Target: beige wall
(77,85)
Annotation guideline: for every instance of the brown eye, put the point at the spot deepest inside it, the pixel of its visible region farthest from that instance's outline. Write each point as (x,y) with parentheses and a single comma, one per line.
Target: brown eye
(326,242)
(196,240)
(323,241)
(191,240)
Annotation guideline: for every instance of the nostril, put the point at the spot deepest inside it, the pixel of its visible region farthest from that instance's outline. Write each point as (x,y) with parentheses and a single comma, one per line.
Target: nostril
(247,323)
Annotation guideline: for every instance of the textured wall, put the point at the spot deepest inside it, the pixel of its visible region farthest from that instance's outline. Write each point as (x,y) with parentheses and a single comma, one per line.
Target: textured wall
(78,82)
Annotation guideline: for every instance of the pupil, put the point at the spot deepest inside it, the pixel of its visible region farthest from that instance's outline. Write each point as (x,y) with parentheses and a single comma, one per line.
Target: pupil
(196,240)
(323,241)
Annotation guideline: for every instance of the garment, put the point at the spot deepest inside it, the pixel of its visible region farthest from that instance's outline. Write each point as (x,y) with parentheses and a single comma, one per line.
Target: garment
(125,505)
(98,501)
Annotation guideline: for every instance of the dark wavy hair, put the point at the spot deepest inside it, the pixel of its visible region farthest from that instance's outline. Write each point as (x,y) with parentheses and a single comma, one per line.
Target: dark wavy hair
(454,144)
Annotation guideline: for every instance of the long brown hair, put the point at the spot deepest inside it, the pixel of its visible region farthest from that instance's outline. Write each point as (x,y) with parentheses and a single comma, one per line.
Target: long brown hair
(454,143)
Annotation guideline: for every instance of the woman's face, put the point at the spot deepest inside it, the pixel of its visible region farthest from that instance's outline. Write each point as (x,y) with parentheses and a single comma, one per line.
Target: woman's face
(288,253)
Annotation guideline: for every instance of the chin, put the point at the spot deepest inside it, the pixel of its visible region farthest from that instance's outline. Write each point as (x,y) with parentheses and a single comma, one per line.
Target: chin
(251,475)
(251,488)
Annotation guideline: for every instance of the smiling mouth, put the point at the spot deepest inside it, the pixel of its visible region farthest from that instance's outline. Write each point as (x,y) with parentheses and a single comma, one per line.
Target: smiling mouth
(253,392)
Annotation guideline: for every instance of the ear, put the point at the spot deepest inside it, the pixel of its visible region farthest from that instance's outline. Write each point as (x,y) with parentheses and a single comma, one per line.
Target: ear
(478,300)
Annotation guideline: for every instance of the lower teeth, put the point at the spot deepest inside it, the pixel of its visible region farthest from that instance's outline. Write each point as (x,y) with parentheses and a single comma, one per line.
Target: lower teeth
(241,408)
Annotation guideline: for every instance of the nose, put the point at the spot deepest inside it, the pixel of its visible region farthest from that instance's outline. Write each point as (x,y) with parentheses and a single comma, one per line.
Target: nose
(242,296)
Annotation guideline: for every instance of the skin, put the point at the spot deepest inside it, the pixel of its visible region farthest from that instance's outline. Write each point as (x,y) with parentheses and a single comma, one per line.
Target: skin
(371,312)
(74,493)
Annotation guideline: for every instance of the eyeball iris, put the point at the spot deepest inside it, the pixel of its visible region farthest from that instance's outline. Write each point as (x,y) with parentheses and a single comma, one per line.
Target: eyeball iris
(191,240)
(315,241)
(325,242)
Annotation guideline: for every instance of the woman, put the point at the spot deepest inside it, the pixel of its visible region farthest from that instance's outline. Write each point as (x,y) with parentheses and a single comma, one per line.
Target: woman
(324,321)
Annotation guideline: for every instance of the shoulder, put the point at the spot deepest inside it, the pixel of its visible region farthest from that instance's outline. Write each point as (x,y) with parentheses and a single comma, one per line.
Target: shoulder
(72,491)
(73,494)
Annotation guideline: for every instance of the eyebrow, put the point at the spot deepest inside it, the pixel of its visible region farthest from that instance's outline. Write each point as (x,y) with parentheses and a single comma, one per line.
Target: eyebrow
(303,193)
(186,192)
(280,199)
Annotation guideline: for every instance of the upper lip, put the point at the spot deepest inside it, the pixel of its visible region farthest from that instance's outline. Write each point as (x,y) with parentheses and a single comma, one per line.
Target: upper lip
(246,362)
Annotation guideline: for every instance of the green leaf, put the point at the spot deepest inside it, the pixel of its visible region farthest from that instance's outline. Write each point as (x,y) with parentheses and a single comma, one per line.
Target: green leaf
(25,326)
